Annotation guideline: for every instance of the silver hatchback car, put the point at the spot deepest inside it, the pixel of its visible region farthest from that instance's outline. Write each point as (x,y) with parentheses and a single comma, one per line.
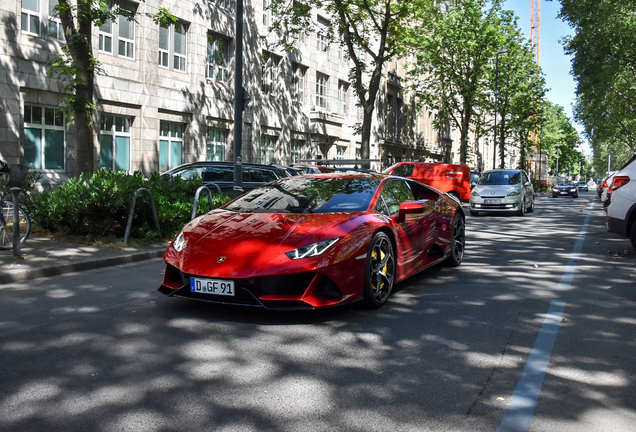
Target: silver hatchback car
(504,191)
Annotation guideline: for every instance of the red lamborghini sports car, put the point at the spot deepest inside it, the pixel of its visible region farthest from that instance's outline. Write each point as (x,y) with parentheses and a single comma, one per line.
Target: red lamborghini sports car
(315,241)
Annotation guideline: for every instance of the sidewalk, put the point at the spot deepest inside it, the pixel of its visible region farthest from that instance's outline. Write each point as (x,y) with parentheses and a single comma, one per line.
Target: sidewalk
(42,257)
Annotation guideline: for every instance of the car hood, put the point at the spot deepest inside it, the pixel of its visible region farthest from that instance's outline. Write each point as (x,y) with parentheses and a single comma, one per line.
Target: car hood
(246,234)
(494,190)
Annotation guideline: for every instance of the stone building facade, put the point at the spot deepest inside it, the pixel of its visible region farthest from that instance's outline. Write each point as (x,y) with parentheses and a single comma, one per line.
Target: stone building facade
(166,94)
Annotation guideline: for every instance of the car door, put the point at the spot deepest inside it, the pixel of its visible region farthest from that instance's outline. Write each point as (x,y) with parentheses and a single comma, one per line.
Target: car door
(410,232)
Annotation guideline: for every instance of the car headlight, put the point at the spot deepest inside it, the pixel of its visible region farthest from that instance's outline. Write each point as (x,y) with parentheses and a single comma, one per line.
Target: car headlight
(475,194)
(573,190)
(179,243)
(311,250)
(514,192)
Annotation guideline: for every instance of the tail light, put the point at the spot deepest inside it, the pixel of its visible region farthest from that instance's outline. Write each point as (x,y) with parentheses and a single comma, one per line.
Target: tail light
(604,184)
(619,182)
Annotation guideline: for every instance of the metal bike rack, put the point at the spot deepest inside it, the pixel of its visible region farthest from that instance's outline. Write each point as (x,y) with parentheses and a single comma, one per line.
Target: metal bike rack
(196,197)
(15,191)
(132,211)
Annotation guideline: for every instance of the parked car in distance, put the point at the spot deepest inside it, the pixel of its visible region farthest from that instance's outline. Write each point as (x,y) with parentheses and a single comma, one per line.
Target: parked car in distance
(222,174)
(312,169)
(602,185)
(621,212)
(454,179)
(504,191)
(474,178)
(582,186)
(565,188)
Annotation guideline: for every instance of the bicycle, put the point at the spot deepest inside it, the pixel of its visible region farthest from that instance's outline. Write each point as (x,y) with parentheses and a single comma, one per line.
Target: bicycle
(15,175)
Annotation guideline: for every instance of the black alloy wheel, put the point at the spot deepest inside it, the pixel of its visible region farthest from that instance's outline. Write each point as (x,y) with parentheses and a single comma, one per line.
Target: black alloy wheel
(458,242)
(379,274)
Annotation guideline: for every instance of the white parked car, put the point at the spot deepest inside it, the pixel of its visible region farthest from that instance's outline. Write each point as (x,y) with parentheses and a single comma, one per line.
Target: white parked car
(621,212)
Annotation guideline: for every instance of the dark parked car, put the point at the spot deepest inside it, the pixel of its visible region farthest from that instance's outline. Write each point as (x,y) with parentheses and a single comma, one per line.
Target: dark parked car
(582,186)
(222,174)
(565,189)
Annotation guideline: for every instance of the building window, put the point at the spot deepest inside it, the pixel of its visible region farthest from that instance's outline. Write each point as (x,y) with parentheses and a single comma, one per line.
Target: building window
(170,145)
(172,45)
(322,81)
(216,144)
(43,137)
(119,33)
(269,73)
(114,143)
(268,148)
(217,60)
(36,11)
(267,13)
(226,4)
(296,150)
(298,84)
(322,34)
(340,151)
(343,88)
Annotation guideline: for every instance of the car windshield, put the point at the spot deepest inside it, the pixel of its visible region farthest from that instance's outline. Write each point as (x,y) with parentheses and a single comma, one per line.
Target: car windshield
(500,178)
(565,184)
(308,195)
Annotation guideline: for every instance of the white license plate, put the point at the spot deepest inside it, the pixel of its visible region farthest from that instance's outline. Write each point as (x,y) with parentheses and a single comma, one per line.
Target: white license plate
(564,193)
(212,286)
(492,201)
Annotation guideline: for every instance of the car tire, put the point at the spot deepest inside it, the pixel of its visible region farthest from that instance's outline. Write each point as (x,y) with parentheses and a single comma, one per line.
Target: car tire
(522,207)
(576,196)
(554,196)
(457,243)
(531,208)
(474,213)
(632,234)
(379,271)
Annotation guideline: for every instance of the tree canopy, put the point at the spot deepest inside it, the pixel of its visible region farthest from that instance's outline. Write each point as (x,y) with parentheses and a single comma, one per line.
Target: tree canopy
(604,65)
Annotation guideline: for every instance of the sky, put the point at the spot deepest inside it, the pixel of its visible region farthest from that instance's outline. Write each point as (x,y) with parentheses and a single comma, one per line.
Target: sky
(556,65)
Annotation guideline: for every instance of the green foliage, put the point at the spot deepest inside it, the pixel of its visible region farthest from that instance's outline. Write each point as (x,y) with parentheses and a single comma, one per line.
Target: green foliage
(604,65)
(98,205)
(26,197)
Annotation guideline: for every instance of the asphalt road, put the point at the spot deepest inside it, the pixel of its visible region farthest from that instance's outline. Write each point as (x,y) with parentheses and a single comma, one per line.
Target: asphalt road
(103,351)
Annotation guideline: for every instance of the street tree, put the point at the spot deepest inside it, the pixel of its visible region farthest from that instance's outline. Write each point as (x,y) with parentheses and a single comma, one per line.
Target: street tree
(521,91)
(604,65)
(454,43)
(370,32)
(76,66)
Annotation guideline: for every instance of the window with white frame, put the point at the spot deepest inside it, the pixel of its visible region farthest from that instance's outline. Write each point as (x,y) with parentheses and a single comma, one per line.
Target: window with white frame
(298,84)
(226,4)
(296,150)
(322,34)
(43,143)
(268,148)
(343,89)
(267,12)
(114,142)
(322,81)
(170,145)
(34,12)
(172,46)
(215,148)
(358,153)
(269,73)
(341,151)
(218,58)
(118,37)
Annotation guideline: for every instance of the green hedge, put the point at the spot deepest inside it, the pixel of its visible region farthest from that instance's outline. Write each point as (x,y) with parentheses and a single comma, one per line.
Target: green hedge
(98,205)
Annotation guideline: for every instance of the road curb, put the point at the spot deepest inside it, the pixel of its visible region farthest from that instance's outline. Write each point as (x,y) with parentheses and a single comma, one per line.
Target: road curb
(79,266)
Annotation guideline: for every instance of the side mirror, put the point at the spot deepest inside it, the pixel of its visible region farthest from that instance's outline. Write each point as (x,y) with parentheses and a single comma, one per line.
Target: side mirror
(409,207)
(473,184)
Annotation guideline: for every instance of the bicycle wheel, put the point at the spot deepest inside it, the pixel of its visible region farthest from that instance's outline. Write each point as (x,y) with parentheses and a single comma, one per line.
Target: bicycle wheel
(7,223)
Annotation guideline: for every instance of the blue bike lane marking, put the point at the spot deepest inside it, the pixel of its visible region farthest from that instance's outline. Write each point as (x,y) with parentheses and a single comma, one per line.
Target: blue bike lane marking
(519,414)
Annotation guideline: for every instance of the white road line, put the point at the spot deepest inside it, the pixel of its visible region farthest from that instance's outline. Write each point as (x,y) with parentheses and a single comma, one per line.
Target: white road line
(519,414)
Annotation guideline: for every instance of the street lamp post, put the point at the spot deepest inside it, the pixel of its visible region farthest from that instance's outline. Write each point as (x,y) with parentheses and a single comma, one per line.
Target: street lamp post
(494,153)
